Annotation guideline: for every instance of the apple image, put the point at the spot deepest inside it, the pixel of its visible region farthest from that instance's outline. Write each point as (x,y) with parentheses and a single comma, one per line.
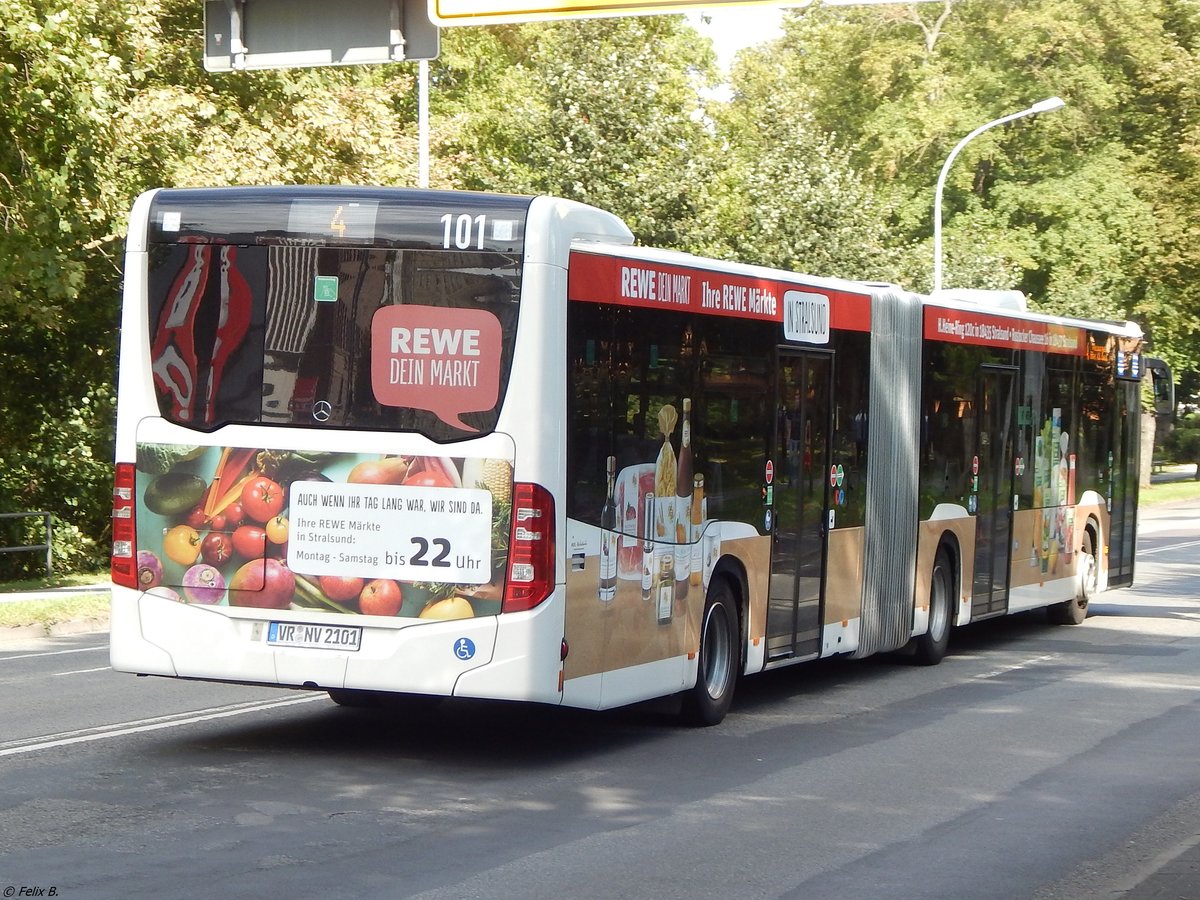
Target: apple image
(341,588)
(263,583)
(381,597)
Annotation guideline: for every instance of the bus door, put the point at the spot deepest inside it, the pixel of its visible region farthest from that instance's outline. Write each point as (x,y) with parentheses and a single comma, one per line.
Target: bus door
(992,491)
(800,504)
(1123,474)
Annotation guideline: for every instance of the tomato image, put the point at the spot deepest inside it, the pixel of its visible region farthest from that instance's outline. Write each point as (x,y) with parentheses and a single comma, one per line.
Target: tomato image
(181,544)
(250,541)
(196,517)
(381,597)
(216,548)
(277,530)
(340,587)
(262,498)
(429,478)
(234,515)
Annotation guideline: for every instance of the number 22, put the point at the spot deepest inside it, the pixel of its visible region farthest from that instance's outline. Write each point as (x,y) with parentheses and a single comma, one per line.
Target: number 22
(441,560)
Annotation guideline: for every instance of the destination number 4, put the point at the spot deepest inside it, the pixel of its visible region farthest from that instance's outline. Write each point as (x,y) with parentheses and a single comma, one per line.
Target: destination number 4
(442,557)
(462,230)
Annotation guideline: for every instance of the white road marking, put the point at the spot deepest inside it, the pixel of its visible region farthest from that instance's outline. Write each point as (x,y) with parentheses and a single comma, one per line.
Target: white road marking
(1004,670)
(139,726)
(80,671)
(53,653)
(1167,547)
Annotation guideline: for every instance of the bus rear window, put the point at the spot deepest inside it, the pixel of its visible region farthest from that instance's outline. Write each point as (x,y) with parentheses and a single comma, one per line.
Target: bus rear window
(336,337)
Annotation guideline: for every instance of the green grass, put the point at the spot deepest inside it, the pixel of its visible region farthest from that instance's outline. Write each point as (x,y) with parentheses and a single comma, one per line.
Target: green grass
(52,611)
(1170,491)
(55,581)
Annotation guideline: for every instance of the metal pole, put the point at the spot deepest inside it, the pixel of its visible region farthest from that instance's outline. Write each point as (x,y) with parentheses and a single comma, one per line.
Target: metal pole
(423,123)
(49,547)
(1041,106)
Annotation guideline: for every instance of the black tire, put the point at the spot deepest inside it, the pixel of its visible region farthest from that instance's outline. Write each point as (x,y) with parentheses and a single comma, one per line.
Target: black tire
(708,701)
(1075,610)
(931,647)
(354,699)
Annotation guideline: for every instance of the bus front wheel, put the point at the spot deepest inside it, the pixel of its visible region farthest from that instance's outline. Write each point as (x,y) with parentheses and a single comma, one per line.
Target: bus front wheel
(708,702)
(1075,610)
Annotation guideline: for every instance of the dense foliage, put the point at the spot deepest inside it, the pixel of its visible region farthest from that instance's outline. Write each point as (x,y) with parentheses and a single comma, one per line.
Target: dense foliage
(1182,445)
(1092,210)
(824,160)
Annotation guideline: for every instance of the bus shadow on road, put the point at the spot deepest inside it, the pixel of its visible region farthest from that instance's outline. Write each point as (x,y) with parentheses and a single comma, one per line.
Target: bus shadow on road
(1142,611)
(493,734)
(455,732)
(811,681)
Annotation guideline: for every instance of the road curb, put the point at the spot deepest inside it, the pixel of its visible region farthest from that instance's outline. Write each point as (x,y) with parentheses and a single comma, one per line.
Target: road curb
(19,633)
(90,625)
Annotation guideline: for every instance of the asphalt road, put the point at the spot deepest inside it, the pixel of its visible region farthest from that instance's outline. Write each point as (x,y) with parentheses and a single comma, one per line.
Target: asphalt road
(1036,761)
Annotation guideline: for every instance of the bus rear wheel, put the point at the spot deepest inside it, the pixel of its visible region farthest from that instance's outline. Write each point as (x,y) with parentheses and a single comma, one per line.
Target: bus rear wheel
(1075,610)
(932,645)
(708,701)
(354,699)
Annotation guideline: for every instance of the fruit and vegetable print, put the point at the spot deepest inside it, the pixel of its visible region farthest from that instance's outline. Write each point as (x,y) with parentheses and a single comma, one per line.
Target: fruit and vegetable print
(414,536)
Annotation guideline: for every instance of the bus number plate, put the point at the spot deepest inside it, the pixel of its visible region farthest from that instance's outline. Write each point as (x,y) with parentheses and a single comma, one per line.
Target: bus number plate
(328,637)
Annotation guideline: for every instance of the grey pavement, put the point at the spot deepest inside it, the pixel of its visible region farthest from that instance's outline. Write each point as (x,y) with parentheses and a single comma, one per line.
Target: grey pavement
(1160,863)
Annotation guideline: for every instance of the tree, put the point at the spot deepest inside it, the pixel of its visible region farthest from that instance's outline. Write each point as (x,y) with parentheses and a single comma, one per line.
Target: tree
(101,101)
(1092,208)
(787,194)
(606,112)
(824,161)
(66,74)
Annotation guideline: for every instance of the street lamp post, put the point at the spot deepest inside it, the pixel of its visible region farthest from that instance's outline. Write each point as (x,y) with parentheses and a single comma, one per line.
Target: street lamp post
(1047,105)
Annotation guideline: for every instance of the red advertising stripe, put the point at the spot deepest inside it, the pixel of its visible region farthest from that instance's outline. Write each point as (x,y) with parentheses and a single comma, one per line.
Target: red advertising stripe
(967,326)
(596,278)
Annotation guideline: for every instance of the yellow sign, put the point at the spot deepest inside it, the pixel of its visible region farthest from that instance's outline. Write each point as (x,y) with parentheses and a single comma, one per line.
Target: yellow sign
(481,12)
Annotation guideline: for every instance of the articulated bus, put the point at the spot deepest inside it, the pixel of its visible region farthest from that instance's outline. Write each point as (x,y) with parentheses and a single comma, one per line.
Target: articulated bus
(383,442)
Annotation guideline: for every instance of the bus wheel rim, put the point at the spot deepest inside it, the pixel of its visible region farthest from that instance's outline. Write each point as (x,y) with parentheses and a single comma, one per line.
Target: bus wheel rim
(939,606)
(717,653)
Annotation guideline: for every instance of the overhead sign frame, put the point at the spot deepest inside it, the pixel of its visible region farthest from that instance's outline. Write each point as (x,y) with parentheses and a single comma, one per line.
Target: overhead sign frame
(487,12)
(282,34)
(495,12)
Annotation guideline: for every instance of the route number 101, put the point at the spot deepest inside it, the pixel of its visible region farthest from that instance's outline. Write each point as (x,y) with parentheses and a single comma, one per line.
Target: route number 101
(462,231)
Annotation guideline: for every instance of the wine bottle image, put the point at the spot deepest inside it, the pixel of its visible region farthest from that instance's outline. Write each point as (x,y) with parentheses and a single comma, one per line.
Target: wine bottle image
(683,503)
(665,587)
(664,554)
(608,537)
(648,572)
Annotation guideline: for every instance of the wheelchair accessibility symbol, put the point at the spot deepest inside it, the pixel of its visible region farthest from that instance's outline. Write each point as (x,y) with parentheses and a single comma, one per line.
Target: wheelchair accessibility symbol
(464,648)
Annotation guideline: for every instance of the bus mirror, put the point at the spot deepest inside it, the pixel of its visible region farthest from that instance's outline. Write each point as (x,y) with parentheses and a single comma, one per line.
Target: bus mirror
(1163,386)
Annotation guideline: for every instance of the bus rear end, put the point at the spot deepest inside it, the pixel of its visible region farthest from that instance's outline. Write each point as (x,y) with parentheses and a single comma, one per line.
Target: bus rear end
(330,473)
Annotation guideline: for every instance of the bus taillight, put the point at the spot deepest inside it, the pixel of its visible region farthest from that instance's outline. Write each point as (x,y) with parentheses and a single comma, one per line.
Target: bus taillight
(124,528)
(530,548)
